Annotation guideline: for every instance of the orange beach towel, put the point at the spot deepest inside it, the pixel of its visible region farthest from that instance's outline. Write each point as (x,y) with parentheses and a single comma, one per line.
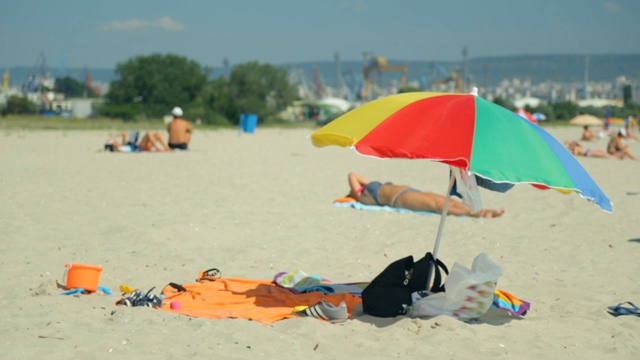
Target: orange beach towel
(258,300)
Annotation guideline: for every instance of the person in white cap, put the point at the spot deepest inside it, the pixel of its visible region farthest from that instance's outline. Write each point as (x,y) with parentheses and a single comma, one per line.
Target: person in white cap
(618,148)
(179,130)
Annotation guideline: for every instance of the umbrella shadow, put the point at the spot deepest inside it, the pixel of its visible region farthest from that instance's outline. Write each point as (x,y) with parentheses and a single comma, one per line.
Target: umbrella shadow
(636,240)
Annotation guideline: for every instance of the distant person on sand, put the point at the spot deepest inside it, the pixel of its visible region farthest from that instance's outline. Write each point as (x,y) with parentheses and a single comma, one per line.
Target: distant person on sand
(128,142)
(578,150)
(628,131)
(179,130)
(402,196)
(588,134)
(618,148)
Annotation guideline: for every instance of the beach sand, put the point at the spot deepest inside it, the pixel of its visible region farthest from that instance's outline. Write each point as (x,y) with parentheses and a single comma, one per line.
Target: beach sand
(258,204)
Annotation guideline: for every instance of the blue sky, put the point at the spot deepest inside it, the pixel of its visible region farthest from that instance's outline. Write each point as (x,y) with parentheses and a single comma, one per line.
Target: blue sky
(101,34)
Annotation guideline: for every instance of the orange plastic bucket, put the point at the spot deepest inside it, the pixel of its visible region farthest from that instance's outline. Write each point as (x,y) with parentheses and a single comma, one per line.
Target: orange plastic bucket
(82,276)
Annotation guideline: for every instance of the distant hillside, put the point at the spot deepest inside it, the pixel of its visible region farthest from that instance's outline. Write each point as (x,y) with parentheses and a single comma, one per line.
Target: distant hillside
(486,71)
(489,71)
(560,68)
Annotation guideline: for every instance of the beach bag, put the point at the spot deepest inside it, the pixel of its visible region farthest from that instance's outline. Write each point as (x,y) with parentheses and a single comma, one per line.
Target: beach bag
(389,294)
(469,292)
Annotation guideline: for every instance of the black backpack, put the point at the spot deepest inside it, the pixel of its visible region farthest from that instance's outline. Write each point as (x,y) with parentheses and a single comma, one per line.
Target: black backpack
(389,294)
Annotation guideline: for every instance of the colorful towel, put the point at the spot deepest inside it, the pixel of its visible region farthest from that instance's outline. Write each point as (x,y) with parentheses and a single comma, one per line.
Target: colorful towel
(258,300)
(509,302)
(360,206)
(300,282)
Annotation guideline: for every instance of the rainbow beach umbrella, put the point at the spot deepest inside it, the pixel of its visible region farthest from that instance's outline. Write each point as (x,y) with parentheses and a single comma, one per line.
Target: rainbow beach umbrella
(463,131)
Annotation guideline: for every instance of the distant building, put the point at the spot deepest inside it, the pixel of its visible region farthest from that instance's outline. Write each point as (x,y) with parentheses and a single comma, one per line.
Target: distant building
(599,102)
(83,108)
(527,101)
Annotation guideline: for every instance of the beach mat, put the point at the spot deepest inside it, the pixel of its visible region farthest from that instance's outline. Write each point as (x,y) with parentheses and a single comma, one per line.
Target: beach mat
(360,206)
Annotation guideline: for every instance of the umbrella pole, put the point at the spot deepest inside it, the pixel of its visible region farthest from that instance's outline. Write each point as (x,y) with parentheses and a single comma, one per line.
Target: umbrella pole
(443,216)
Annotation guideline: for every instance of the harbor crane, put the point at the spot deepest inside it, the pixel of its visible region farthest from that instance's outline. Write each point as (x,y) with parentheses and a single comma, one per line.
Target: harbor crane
(374,67)
(452,81)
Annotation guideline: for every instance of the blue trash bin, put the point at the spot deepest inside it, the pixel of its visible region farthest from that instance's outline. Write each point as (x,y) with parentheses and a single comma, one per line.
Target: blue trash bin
(243,122)
(248,123)
(251,121)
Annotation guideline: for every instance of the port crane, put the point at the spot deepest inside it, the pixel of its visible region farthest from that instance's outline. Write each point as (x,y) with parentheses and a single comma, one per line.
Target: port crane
(353,81)
(5,80)
(373,68)
(317,79)
(452,81)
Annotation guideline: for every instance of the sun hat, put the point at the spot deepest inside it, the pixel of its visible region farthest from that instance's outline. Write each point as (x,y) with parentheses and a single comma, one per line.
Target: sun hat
(177,111)
(623,132)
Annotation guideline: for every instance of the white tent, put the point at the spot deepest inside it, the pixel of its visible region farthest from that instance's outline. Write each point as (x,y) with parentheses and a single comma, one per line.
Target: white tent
(340,104)
(529,100)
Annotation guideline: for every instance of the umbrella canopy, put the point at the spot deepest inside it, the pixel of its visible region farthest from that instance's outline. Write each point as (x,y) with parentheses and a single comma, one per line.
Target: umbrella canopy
(586,120)
(465,132)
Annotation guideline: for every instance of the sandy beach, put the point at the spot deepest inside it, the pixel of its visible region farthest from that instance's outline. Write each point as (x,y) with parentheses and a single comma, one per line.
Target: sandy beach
(253,205)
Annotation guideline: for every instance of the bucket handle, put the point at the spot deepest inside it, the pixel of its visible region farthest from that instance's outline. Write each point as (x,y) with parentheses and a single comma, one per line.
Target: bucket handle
(67,267)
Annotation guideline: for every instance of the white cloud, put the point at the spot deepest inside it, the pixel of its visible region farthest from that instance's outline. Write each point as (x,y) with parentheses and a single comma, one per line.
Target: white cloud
(611,6)
(163,23)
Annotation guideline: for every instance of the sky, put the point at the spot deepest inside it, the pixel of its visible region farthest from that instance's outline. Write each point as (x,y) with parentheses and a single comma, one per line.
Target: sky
(102,34)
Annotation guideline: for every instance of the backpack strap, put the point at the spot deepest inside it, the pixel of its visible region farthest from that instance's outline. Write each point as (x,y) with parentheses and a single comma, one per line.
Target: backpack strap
(421,269)
(438,281)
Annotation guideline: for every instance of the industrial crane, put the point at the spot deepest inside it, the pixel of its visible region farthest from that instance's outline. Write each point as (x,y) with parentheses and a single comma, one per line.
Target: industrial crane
(353,80)
(318,81)
(374,67)
(5,80)
(452,80)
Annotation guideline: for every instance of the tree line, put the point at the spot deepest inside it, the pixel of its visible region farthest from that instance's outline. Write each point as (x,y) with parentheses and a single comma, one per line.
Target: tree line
(149,86)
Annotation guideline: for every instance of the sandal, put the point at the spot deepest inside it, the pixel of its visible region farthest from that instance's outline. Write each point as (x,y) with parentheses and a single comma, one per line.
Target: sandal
(138,298)
(620,309)
(209,275)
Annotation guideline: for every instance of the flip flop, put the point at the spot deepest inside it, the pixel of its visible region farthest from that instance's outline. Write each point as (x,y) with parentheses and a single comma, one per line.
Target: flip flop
(620,309)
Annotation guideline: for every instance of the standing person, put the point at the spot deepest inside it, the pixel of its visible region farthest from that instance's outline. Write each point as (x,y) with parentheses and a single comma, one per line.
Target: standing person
(179,130)
(607,121)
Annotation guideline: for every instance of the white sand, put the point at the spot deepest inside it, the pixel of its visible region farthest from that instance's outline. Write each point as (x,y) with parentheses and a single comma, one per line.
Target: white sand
(255,205)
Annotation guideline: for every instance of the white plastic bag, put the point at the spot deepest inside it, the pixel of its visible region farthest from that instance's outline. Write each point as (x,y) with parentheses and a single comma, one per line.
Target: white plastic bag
(468,293)
(467,187)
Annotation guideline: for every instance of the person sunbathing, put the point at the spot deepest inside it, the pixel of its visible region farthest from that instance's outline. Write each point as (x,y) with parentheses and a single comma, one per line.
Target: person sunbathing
(578,150)
(403,196)
(125,142)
